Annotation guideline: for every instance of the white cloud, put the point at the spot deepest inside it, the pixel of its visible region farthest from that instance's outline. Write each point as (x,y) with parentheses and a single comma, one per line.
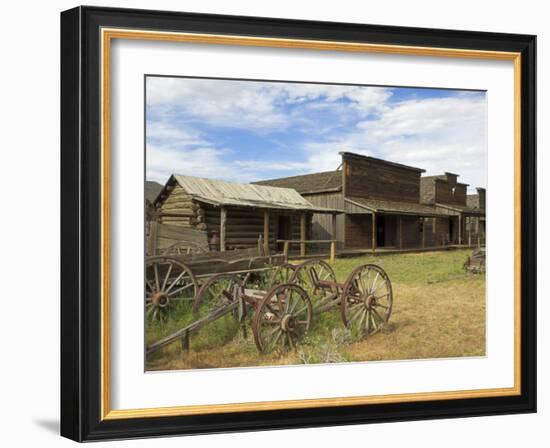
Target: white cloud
(439,134)
(254,105)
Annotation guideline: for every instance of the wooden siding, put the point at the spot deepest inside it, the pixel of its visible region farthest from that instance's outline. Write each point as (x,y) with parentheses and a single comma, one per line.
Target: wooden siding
(411,230)
(373,179)
(322,223)
(436,231)
(358,230)
(444,193)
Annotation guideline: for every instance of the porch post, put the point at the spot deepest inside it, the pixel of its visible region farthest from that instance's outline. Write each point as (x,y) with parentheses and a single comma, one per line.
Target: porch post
(460,229)
(333,243)
(469,231)
(223,219)
(373,232)
(302,235)
(266,232)
(423,232)
(400,233)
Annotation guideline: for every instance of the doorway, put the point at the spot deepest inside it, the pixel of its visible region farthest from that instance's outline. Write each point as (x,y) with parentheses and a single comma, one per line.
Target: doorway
(283,230)
(380,230)
(451,230)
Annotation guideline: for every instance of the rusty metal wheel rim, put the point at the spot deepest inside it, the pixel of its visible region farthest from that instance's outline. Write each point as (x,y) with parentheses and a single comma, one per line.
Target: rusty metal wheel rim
(367,300)
(283,317)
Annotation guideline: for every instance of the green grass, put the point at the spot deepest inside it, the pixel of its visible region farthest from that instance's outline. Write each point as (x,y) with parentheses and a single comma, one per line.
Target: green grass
(439,311)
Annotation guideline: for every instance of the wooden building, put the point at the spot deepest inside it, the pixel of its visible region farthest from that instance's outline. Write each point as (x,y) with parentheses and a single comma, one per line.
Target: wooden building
(466,213)
(234,215)
(382,201)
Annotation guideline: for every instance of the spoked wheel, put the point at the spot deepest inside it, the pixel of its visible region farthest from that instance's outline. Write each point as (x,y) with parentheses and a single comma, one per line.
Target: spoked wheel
(367,300)
(281,274)
(166,280)
(311,276)
(282,318)
(217,292)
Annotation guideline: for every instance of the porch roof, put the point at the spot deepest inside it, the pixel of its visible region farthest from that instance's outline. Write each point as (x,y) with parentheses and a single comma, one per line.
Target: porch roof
(363,205)
(460,209)
(221,193)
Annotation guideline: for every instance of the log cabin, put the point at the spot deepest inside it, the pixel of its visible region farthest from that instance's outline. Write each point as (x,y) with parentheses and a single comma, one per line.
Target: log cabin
(233,215)
(383,204)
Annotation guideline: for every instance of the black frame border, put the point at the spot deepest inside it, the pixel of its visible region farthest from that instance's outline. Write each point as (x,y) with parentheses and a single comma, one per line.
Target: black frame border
(81,223)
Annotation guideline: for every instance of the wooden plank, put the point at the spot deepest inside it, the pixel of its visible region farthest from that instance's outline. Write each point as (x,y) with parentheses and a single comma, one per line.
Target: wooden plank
(460,228)
(423,232)
(152,242)
(285,250)
(302,234)
(333,251)
(223,219)
(266,231)
(400,232)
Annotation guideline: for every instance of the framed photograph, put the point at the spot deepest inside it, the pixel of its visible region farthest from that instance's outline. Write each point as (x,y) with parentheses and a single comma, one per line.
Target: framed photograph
(274,223)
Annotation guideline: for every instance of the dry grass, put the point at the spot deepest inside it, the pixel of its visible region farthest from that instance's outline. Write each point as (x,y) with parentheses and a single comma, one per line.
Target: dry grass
(439,312)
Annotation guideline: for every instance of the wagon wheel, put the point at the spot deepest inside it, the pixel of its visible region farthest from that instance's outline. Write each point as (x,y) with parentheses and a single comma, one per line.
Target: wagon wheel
(166,280)
(309,274)
(281,274)
(215,293)
(367,300)
(282,318)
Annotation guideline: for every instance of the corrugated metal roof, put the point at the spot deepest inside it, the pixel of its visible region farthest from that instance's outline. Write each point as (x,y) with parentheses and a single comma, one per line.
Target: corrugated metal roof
(218,193)
(393,207)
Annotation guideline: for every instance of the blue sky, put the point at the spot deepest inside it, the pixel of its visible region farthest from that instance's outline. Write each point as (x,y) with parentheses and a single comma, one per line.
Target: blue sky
(246,130)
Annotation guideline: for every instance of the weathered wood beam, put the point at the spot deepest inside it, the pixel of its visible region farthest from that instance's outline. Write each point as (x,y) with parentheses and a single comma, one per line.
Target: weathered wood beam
(460,228)
(469,232)
(153,238)
(266,231)
(400,232)
(223,220)
(333,227)
(423,232)
(302,235)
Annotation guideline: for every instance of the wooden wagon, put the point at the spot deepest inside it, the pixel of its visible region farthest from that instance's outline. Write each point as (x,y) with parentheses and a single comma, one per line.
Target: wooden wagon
(178,275)
(283,311)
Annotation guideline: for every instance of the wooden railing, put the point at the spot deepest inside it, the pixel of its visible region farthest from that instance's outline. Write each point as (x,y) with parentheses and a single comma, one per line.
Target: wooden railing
(304,243)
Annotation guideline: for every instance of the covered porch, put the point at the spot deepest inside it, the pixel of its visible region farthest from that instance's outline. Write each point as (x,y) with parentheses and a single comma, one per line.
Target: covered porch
(383,226)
